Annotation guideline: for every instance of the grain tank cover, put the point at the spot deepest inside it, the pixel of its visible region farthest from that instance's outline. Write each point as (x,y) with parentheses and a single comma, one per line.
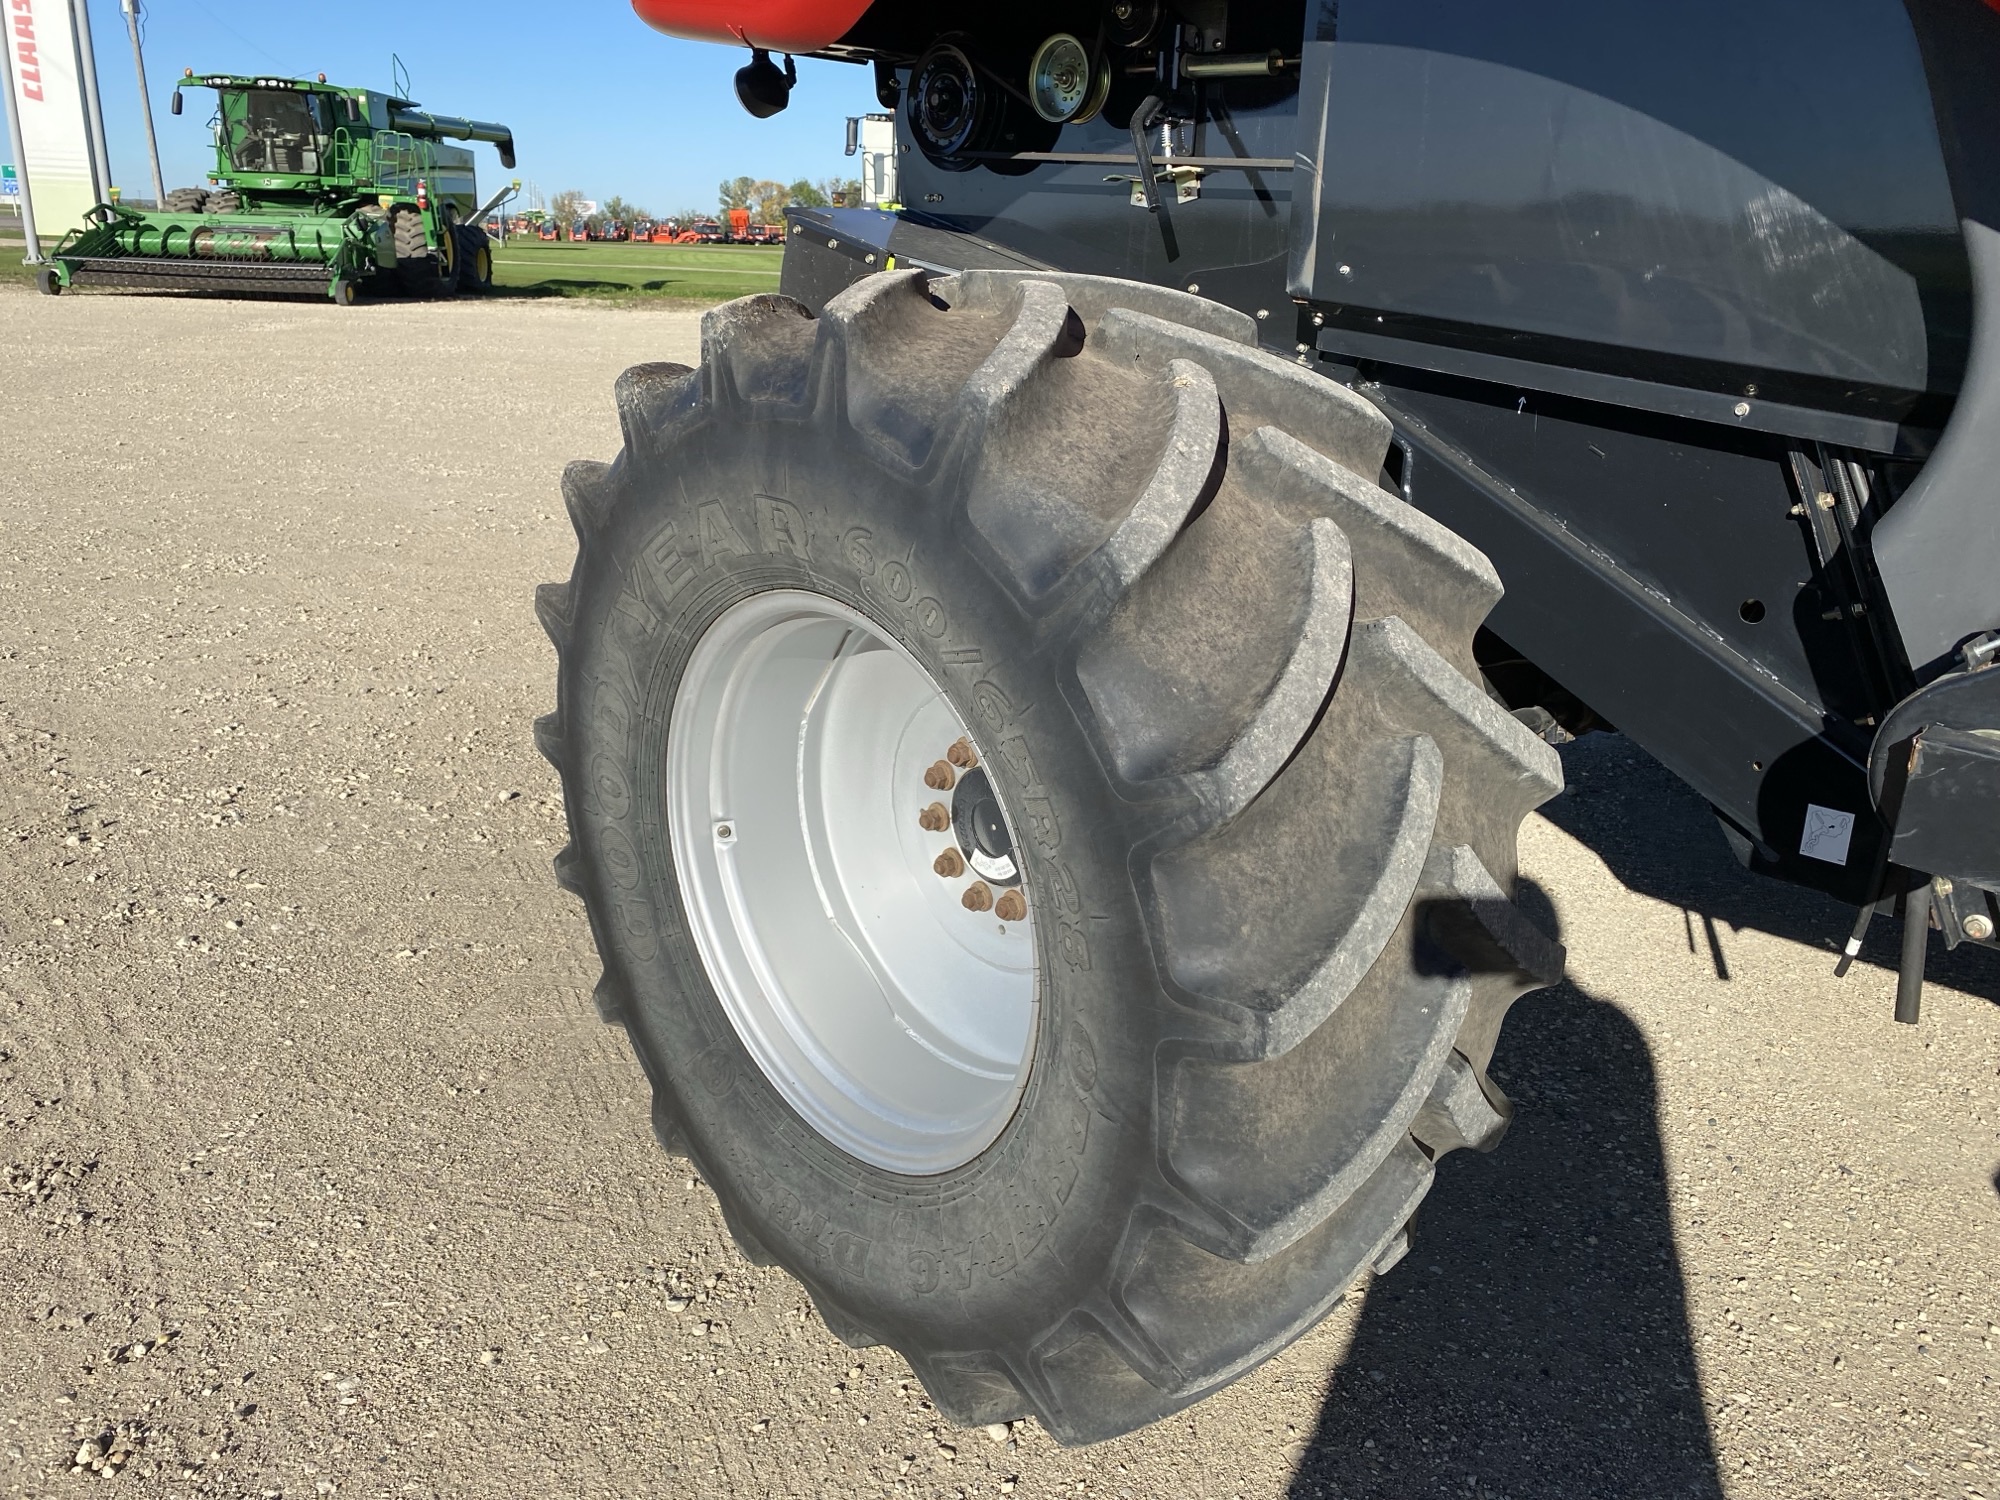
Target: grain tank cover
(780,25)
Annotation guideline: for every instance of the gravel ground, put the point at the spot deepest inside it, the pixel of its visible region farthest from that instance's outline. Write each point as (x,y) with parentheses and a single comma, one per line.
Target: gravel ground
(319,1175)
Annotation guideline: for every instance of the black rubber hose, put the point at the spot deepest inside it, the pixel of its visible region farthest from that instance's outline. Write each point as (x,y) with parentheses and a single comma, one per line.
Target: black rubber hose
(1150,109)
(1916,939)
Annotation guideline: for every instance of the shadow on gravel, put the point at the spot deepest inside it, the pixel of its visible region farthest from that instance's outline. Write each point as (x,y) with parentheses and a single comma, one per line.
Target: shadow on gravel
(1534,1343)
(1660,839)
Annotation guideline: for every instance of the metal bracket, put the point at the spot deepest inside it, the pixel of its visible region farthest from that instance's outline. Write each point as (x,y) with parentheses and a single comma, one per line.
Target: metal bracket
(1185,178)
(1966,913)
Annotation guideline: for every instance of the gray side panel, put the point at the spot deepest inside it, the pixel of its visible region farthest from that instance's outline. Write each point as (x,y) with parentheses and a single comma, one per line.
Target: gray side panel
(1754,192)
(1938,549)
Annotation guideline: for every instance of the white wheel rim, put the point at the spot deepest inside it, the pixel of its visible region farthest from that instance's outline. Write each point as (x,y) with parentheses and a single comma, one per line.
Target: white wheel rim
(899,1023)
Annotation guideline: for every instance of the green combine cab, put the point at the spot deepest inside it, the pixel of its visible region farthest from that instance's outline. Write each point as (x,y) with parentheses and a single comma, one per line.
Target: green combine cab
(317,191)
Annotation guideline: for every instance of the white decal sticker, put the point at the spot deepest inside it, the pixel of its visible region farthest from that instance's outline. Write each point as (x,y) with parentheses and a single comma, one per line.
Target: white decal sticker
(1827,834)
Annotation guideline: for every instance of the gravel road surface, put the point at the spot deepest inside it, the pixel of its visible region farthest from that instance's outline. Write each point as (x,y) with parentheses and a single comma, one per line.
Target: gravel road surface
(320,1176)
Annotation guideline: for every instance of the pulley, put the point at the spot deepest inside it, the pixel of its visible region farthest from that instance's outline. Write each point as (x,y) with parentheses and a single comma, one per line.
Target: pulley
(948,106)
(1062,83)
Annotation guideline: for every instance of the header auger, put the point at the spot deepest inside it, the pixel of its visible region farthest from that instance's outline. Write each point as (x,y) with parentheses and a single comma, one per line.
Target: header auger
(316,190)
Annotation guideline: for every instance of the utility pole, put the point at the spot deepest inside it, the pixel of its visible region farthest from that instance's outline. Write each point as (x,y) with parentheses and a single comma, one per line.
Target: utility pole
(145,103)
(87,65)
(34,255)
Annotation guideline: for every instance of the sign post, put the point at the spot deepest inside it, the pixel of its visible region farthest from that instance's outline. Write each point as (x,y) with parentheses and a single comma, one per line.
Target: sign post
(145,103)
(53,137)
(34,255)
(86,67)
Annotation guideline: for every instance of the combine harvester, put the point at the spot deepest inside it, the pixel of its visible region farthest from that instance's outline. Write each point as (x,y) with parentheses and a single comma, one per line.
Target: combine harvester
(1046,707)
(317,190)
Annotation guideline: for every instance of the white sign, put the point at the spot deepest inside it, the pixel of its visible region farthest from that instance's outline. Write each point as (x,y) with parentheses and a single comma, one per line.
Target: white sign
(48,103)
(1828,833)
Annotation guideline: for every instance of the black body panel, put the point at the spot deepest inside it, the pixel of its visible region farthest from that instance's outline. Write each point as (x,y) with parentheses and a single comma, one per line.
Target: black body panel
(1939,549)
(1615,186)
(1634,549)
(1949,819)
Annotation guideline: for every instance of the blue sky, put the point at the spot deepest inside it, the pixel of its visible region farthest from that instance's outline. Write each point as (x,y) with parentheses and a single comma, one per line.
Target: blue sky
(597,100)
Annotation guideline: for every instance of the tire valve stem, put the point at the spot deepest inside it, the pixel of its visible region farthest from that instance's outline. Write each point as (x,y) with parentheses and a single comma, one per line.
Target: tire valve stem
(1011,907)
(940,777)
(961,755)
(978,897)
(950,864)
(934,819)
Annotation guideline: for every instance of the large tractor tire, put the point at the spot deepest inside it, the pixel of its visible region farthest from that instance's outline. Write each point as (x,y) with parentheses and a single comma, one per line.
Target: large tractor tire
(223,201)
(185,200)
(475,259)
(422,270)
(1040,824)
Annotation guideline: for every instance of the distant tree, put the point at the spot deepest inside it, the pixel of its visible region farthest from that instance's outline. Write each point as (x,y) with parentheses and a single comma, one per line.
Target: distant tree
(767,202)
(805,195)
(623,212)
(567,207)
(736,192)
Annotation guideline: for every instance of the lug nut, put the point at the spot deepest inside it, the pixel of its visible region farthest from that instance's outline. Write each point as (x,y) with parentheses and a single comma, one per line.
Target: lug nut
(1011,907)
(949,864)
(978,897)
(1979,927)
(934,819)
(961,754)
(940,777)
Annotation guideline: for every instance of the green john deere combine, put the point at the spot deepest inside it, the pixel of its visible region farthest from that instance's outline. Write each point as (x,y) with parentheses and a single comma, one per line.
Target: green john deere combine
(317,191)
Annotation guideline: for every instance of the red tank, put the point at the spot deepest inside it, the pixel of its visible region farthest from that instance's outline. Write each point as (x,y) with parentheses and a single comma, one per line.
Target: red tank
(780,25)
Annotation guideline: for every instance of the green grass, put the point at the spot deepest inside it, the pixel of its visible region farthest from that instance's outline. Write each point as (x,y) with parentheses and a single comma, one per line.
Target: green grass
(610,272)
(623,271)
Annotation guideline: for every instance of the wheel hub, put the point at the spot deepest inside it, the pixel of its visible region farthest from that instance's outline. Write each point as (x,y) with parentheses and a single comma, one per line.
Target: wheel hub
(981,830)
(846,917)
